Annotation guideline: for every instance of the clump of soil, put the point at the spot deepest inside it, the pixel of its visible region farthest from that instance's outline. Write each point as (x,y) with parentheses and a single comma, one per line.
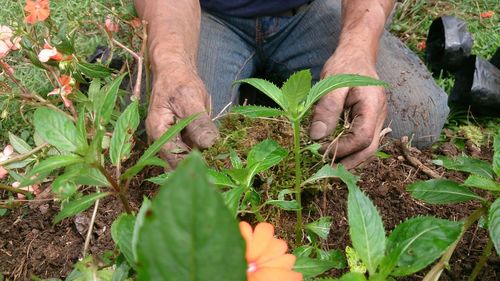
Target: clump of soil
(31,245)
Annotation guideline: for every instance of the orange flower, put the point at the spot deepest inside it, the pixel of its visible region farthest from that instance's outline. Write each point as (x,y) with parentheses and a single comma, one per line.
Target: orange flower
(422,45)
(66,89)
(487,14)
(38,10)
(266,256)
(49,53)
(135,22)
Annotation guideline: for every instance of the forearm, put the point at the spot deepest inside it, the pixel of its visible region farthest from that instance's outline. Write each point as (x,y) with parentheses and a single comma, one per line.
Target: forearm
(363,24)
(173,30)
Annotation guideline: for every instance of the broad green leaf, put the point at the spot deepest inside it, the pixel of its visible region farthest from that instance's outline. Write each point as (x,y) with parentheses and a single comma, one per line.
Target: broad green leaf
(320,227)
(122,231)
(466,164)
(90,176)
(190,213)
(352,276)
(57,129)
(494,224)
(139,221)
(366,228)
(255,111)
(296,89)
(496,155)
(269,89)
(64,189)
(482,183)
(303,251)
(310,267)
(235,159)
(220,179)
(54,162)
(418,242)
(19,145)
(121,141)
(159,180)
(441,191)
(336,256)
(81,131)
(157,145)
(265,154)
(94,89)
(79,205)
(328,171)
(152,161)
(287,205)
(93,70)
(108,100)
(331,83)
(232,199)
(121,272)
(239,176)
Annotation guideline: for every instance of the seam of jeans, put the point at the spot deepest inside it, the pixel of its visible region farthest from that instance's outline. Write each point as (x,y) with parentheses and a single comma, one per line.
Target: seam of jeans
(235,92)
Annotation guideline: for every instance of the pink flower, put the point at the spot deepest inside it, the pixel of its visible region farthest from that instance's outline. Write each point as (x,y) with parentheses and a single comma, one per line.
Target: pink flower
(5,155)
(111,25)
(66,89)
(7,43)
(49,53)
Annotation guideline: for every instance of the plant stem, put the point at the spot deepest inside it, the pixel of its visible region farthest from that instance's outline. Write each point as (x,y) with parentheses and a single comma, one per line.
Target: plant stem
(298,179)
(14,190)
(436,270)
(256,211)
(21,157)
(482,261)
(91,227)
(116,187)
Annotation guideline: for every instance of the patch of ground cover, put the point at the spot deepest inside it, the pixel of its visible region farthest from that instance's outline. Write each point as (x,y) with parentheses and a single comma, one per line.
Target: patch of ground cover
(32,245)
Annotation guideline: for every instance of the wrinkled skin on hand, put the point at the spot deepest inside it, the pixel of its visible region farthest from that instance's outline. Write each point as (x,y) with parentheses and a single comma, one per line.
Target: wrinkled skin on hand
(368,110)
(178,94)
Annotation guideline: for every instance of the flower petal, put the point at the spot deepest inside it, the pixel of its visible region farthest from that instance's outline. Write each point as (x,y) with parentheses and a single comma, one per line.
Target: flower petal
(3,172)
(262,236)
(8,150)
(284,262)
(274,274)
(45,54)
(276,248)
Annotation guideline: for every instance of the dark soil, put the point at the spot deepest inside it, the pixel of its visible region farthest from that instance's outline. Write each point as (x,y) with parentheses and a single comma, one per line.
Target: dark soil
(31,245)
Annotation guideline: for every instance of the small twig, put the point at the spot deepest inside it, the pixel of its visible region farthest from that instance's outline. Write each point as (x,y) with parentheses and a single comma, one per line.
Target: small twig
(14,190)
(221,113)
(91,227)
(116,187)
(26,155)
(136,93)
(415,162)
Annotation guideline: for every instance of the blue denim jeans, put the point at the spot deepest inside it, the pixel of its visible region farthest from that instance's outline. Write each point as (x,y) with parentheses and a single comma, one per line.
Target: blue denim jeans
(235,48)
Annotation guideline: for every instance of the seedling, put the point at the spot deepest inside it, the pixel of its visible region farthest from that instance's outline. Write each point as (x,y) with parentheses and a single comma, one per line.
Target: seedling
(295,98)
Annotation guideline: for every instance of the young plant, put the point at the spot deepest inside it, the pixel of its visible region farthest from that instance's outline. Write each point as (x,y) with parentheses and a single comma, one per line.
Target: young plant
(483,176)
(295,98)
(410,247)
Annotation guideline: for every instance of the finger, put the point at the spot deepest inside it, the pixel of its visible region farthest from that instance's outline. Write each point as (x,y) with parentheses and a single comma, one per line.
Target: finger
(327,113)
(202,132)
(366,112)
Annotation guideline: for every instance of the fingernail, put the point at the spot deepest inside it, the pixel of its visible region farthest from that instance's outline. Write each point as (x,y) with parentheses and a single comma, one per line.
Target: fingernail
(318,130)
(207,139)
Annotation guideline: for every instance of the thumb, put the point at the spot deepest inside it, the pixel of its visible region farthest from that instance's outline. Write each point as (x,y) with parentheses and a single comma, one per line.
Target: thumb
(326,113)
(201,133)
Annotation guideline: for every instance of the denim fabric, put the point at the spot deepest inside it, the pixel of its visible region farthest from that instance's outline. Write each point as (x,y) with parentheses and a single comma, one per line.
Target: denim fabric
(234,48)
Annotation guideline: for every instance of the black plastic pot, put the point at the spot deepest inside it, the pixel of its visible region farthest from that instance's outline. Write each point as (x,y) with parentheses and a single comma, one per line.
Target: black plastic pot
(448,45)
(477,84)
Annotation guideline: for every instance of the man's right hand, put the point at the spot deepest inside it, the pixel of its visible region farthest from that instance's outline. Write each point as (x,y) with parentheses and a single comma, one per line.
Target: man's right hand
(179,93)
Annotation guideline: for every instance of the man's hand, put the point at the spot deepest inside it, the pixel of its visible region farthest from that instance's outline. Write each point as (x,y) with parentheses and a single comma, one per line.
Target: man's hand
(368,109)
(176,95)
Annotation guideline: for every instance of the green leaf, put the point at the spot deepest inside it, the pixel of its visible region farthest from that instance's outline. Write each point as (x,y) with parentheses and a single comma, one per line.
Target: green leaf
(287,205)
(352,276)
(320,227)
(494,224)
(336,256)
(496,155)
(94,89)
(482,183)
(239,176)
(328,171)
(139,221)
(310,267)
(296,89)
(190,213)
(122,231)
(93,70)
(254,111)
(80,128)
(121,272)
(265,154)
(156,146)
(108,100)
(269,89)
(418,242)
(220,179)
(121,141)
(79,205)
(366,228)
(232,199)
(54,162)
(159,180)
(331,83)
(57,129)
(19,145)
(90,176)
(466,164)
(441,191)
(235,159)
(303,251)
